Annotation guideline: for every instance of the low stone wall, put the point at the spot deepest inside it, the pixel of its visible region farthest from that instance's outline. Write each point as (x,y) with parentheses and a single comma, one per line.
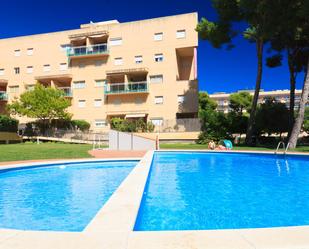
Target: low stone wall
(9,136)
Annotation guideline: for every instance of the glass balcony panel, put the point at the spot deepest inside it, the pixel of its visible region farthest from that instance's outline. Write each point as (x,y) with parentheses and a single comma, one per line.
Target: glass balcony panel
(131,87)
(3,96)
(88,50)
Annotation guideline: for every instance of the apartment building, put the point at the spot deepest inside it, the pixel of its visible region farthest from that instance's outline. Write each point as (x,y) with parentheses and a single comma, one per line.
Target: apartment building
(142,69)
(282,96)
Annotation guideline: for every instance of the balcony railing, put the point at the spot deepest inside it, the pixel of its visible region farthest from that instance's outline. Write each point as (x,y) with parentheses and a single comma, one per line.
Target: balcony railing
(3,96)
(88,50)
(67,91)
(124,88)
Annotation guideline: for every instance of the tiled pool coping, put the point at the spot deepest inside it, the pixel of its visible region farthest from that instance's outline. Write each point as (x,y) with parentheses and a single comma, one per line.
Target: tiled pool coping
(112,227)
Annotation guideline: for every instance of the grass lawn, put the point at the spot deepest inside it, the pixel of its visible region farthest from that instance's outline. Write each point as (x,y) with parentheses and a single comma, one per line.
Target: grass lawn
(33,151)
(183,146)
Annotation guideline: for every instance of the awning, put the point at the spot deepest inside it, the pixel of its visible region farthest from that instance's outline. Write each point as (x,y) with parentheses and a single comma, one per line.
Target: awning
(137,115)
(3,82)
(128,70)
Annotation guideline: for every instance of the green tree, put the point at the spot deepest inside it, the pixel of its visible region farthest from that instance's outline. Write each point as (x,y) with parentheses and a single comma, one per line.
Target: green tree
(42,103)
(306,120)
(291,39)
(240,102)
(260,21)
(214,123)
(272,117)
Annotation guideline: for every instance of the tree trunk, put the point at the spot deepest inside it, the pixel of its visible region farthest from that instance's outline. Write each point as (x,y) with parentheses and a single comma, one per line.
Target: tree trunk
(300,117)
(292,94)
(259,47)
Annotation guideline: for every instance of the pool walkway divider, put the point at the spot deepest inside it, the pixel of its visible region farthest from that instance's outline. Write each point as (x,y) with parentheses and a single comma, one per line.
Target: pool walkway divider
(112,227)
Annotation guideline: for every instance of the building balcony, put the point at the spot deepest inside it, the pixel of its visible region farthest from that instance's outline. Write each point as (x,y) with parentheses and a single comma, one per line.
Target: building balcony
(67,91)
(126,88)
(3,96)
(88,51)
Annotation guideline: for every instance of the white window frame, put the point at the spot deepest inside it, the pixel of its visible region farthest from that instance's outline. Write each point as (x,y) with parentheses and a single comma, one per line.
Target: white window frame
(115,41)
(2,71)
(81,84)
(156,79)
(157,121)
(81,103)
(99,83)
(158,36)
(159,100)
(17,52)
(181,33)
(63,66)
(29,69)
(13,89)
(29,51)
(118,61)
(99,123)
(159,57)
(180,99)
(138,59)
(46,68)
(98,103)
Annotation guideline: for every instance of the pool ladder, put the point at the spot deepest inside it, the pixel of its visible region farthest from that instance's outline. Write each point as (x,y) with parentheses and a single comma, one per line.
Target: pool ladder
(285,148)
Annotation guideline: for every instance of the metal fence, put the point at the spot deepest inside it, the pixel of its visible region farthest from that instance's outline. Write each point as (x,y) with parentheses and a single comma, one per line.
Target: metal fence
(179,125)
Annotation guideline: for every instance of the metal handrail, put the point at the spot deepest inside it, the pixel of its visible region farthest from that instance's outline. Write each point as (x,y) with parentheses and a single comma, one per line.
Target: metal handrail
(287,147)
(126,87)
(85,50)
(278,146)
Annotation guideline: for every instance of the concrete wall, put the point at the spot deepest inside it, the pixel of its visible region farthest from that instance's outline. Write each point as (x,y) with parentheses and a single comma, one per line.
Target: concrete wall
(128,141)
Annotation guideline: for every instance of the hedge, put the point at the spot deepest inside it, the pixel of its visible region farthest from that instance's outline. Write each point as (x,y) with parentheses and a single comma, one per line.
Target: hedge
(8,124)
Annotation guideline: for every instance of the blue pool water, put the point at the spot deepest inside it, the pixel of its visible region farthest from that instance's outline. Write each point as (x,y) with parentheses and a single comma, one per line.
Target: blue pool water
(195,191)
(59,197)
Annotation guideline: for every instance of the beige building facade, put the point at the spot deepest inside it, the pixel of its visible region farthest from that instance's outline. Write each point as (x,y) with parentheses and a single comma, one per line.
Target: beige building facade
(282,96)
(142,69)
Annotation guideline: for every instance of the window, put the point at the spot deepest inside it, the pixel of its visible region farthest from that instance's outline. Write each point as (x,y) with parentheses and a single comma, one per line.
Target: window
(158,100)
(64,47)
(82,103)
(180,99)
(157,121)
(138,59)
(181,34)
(17,52)
(30,69)
(1,71)
(16,70)
(79,84)
(63,66)
(30,87)
(156,78)
(97,102)
(158,36)
(14,89)
(118,61)
(158,57)
(46,67)
(29,51)
(100,123)
(115,41)
(99,83)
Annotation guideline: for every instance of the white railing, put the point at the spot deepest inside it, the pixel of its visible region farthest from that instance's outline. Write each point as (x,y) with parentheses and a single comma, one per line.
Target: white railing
(130,87)
(88,50)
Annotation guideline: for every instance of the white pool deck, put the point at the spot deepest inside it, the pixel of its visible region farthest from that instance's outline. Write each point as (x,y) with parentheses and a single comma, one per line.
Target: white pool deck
(112,227)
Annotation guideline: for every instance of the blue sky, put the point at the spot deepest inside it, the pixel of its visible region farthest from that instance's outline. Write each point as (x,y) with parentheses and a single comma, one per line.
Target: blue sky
(219,70)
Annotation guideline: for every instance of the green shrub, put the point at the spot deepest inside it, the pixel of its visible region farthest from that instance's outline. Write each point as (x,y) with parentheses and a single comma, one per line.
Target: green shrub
(126,125)
(83,125)
(8,124)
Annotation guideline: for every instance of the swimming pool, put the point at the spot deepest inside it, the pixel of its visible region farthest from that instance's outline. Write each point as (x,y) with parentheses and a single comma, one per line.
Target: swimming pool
(200,191)
(58,197)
